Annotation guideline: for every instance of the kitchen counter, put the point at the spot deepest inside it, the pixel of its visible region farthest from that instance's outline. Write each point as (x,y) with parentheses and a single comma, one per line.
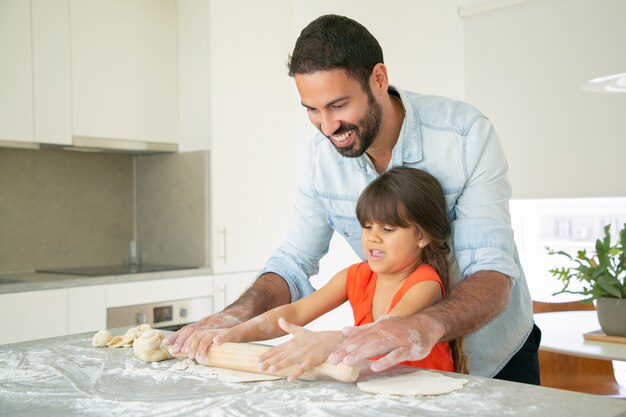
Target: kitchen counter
(34,281)
(66,376)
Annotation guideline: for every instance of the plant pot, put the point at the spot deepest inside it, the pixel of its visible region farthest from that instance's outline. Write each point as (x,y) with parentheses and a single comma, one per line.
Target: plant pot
(612,315)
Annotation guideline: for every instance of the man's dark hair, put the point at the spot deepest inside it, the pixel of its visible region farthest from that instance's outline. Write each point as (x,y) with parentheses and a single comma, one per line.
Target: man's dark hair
(331,42)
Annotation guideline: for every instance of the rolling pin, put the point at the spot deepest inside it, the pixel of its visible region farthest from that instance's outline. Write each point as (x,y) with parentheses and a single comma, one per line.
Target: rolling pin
(245,357)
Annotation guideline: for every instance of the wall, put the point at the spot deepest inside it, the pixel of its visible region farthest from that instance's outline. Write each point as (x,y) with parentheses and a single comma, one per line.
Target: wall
(524,66)
(60,209)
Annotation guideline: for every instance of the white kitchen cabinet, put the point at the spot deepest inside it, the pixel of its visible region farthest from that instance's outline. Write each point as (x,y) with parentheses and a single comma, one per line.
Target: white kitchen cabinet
(253,170)
(228,287)
(193,75)
(124,70)
(86,309)
(16,80)
(33,315)
(152,291)
(51,71)
(35,83)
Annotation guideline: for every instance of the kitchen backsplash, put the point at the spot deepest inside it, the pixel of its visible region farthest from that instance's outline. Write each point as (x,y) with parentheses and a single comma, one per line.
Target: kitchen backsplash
(74,209)
(173,208)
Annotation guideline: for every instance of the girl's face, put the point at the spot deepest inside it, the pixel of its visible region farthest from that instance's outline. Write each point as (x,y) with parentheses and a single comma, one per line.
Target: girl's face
(392,249)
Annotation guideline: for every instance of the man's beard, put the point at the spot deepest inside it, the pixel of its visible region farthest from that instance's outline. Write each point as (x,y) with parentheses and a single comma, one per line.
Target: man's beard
(366,130)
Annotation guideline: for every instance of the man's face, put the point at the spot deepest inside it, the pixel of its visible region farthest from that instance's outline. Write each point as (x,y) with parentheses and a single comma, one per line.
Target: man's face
(337,105)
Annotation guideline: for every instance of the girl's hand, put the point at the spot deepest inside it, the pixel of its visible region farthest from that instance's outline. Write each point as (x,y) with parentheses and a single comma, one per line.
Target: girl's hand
(304,351)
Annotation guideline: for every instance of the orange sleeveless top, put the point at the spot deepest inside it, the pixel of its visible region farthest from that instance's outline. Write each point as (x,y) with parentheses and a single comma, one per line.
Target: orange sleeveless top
(361,285)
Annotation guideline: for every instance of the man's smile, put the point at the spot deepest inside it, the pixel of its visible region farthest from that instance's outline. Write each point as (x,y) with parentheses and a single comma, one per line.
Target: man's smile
(344,139)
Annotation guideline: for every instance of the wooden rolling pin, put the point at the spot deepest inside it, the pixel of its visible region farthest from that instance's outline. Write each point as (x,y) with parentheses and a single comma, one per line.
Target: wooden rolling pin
(245,357)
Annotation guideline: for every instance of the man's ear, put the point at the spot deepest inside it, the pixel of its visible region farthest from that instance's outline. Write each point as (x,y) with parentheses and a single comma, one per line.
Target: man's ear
(378,80)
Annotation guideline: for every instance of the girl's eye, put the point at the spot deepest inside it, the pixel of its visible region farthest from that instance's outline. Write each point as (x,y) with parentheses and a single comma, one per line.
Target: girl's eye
(389,229)
(367,226)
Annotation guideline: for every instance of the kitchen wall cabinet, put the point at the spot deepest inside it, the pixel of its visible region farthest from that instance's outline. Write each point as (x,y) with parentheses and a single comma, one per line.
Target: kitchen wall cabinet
(51,71)
(35,72)
(124,70)
(16,82)
(33,315)
(228,287)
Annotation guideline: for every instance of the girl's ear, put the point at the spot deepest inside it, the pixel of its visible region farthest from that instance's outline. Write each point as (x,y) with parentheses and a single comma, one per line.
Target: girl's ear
(423,242)
(422,239)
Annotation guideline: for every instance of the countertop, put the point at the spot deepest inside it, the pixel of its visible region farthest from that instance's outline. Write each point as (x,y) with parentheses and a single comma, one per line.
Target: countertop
(35,281)
(570,340)
(66,376)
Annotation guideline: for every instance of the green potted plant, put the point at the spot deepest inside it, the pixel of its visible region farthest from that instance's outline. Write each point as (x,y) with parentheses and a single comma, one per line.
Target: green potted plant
(602,276)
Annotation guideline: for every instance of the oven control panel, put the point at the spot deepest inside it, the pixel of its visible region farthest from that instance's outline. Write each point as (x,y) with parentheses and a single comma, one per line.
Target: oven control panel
(166,314)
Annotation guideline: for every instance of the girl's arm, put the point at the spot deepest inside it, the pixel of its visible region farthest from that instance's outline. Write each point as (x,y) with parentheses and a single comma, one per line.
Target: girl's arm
(418,297)
(301,312)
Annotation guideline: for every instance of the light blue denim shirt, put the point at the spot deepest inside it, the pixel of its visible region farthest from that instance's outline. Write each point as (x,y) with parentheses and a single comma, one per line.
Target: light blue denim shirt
(455,143)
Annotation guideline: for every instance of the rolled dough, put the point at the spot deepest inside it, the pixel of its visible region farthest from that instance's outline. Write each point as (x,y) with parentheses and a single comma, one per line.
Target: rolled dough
(415,383)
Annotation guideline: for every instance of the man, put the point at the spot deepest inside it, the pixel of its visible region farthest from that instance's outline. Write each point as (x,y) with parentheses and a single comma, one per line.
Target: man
(366,128)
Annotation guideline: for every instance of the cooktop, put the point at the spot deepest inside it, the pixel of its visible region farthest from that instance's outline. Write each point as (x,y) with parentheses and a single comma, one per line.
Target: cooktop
(96,271)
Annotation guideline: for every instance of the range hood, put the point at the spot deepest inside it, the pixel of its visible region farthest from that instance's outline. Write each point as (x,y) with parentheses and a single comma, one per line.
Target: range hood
(90,144)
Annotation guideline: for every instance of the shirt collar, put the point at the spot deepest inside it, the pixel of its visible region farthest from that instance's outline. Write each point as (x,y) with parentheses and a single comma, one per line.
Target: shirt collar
(408,148)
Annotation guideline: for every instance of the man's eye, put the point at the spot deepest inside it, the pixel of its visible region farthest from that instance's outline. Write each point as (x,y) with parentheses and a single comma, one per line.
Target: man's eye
(338,106)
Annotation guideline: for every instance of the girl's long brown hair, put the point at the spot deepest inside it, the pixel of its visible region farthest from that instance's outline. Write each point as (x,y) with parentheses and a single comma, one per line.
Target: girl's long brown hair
(405,197)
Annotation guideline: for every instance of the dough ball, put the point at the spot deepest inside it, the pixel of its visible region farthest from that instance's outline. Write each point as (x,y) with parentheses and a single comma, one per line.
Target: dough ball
(101,338)
(149,340)
(134,333)
(148,347)
(117,341)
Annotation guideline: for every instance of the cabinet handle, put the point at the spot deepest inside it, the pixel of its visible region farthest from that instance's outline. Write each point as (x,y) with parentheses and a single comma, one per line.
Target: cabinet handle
(224,295)
(222,251)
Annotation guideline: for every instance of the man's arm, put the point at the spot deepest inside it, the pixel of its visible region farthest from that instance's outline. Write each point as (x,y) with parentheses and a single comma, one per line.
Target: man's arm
(470,305)
(268,291)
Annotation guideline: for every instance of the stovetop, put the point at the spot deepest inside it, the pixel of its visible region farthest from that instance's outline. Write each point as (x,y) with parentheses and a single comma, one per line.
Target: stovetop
(97,271)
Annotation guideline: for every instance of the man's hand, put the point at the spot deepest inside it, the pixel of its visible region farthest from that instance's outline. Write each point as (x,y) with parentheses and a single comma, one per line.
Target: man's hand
(191,338)
(402,338)
(268,291)
(470,305)
(306,349)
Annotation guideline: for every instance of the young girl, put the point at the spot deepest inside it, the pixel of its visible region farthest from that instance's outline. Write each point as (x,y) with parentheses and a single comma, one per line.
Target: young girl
(405,227)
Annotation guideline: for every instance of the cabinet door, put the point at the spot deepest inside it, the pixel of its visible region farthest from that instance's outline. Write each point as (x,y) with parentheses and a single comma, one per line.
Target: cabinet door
(86,309)
(124,70)
(16,77)
(33,315)
(51,71)
(253,144)
(228,287)
(193,75)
